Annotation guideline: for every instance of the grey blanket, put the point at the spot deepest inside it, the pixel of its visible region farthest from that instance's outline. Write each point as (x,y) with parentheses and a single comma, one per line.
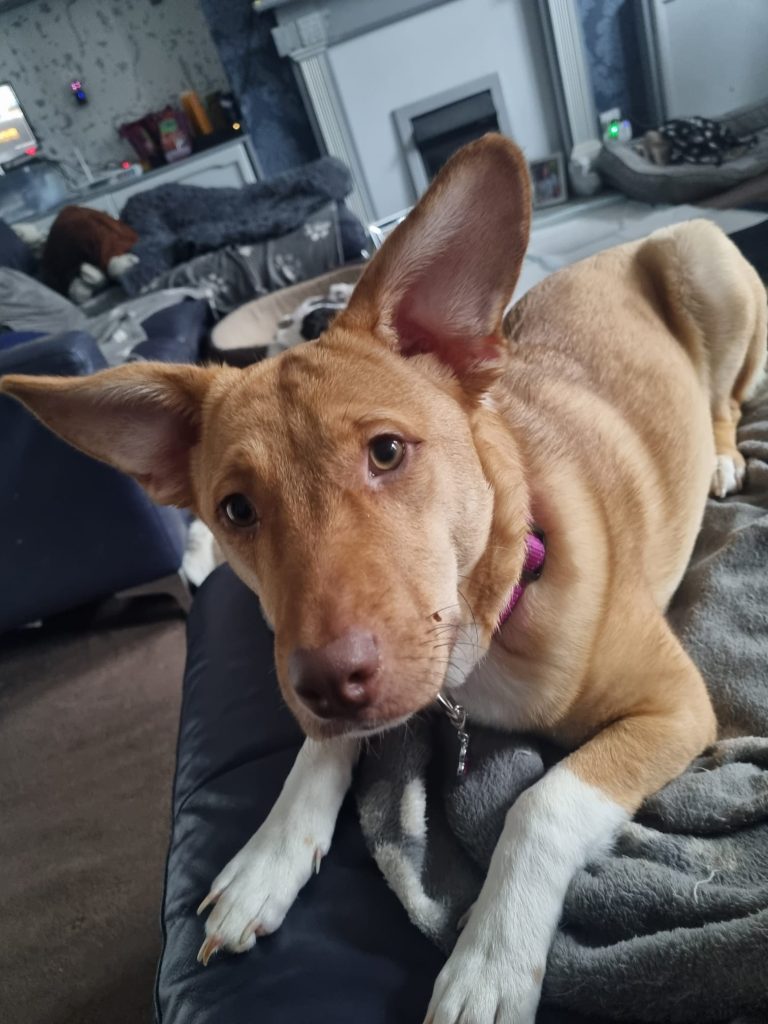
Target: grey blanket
(238,273)
(673,925)
(178,222)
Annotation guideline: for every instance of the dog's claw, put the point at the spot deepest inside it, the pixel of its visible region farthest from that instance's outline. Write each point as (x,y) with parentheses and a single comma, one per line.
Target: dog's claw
(462,922)
(318,859)
(252,928)
(209,899)
(210,947)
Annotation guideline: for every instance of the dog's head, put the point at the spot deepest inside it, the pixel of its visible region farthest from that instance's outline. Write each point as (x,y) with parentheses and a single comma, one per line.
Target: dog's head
(362,485)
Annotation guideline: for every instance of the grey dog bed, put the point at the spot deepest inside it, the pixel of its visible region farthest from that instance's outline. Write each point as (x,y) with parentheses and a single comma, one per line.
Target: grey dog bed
(631,173)
(673,925)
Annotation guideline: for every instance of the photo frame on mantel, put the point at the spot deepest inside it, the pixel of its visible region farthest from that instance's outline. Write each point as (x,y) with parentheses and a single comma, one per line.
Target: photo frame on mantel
(549,184)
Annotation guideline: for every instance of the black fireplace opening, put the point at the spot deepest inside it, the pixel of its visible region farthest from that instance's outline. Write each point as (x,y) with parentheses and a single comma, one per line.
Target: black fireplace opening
(440,132)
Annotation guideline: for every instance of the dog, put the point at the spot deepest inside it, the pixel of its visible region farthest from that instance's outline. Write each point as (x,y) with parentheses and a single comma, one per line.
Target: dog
(378,489)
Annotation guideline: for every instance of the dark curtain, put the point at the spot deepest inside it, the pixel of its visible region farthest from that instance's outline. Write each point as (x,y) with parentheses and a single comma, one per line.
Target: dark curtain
(263,82)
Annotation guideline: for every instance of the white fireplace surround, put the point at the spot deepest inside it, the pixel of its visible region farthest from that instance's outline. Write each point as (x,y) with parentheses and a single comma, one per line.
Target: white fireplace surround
(335,42)
(404,116)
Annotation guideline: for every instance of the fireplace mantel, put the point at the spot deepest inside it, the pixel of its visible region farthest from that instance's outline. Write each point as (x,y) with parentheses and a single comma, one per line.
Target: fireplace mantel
(347,18)
(304,31)
(319,37)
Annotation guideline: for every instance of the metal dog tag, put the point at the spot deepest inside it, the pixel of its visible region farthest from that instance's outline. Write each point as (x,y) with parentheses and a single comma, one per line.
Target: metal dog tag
(458,719)
(461,767)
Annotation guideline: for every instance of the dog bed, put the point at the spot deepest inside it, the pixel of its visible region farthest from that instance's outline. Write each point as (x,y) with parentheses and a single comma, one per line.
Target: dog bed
(247,334)
(631,173)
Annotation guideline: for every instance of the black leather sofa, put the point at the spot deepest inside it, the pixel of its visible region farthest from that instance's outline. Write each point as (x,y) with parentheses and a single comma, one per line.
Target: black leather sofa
(346,953)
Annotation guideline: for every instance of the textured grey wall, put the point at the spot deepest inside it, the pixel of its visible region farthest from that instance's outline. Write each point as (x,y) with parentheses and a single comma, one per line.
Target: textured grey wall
(132,57)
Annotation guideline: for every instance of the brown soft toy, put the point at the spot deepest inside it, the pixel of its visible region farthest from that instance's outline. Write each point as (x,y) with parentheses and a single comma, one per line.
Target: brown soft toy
(80,236)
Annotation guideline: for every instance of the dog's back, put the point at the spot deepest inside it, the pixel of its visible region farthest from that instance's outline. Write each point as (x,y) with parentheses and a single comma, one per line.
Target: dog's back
(378,490)
(618,367)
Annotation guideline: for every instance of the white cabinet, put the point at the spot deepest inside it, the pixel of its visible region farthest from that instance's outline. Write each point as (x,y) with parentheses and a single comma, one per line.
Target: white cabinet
(231,165)
(104,203)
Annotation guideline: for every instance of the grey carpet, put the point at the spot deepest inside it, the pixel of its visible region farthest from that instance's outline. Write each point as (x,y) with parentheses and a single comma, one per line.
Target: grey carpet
(88,725)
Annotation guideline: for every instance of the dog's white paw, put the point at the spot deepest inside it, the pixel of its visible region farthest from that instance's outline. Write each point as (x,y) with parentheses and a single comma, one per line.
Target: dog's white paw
(201,554)
(488,979)
(255,891)
(728,476)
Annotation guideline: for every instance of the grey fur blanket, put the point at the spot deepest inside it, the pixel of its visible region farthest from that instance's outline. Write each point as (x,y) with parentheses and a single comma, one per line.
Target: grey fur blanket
(673,925)
(178,222)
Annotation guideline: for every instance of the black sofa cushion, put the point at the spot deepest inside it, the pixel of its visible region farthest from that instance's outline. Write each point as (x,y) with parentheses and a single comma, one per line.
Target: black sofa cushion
(346,953)
(72,530)
(176,333)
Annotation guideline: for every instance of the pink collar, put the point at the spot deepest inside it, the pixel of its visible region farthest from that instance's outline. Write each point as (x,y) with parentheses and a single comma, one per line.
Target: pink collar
(535,555)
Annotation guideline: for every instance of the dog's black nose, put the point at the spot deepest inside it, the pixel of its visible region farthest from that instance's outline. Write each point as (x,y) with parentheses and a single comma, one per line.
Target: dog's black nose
(340,679)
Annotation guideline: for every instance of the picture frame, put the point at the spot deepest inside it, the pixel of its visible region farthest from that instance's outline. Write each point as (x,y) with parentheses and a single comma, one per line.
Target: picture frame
(549,185)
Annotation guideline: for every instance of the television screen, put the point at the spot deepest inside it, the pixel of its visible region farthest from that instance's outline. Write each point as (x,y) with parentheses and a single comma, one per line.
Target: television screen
(16,136)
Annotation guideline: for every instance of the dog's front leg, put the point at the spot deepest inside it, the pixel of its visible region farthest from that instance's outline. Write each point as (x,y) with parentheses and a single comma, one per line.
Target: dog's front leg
(495,972)
(257,888)
(569,817)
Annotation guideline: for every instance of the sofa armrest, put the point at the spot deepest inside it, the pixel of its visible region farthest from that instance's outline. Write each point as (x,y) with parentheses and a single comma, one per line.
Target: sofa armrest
(72,353)
(72,530)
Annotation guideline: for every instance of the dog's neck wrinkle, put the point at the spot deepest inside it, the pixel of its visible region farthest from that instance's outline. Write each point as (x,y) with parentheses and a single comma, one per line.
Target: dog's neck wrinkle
(501,565)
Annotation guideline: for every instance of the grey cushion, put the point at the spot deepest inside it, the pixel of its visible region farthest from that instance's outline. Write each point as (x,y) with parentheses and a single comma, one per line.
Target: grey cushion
(28,305)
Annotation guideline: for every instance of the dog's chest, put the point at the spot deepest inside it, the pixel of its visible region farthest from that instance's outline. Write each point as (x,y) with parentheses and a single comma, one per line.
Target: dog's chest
(505,697)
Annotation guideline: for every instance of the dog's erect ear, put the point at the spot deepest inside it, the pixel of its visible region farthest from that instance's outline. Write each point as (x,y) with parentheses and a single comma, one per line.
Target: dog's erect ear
(142,419)
(442,279)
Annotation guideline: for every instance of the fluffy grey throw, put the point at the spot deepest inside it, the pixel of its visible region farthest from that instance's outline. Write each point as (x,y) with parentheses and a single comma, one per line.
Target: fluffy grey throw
(178,222)
(673,925)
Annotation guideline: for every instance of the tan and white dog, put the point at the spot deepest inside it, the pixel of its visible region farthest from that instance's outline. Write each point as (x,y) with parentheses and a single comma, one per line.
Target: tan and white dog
(376,488)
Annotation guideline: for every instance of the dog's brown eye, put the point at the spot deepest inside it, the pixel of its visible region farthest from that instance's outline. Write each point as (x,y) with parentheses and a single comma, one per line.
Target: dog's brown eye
(385,453)
(239,511)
